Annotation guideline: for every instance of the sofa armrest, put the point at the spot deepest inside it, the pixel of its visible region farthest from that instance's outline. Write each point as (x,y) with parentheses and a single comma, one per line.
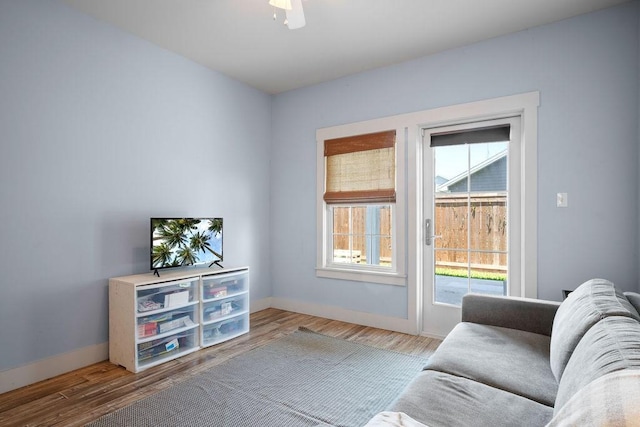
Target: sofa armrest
(525,314)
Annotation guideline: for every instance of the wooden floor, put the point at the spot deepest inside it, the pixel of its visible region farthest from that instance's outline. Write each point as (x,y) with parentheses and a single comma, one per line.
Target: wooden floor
(84,395)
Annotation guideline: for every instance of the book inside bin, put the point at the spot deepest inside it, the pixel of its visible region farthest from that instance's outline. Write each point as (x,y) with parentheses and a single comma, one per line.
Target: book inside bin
(150,351)
(162,323)
(227,285)
(164,297)
(225,307)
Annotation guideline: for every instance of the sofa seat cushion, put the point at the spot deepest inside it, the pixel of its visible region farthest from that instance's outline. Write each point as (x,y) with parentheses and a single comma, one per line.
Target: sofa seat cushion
(439,399)
(508,359)
(612,344)
(587,305)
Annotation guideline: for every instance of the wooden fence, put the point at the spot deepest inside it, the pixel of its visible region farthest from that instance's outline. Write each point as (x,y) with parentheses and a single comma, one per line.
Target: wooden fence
(478,225)
(485,215)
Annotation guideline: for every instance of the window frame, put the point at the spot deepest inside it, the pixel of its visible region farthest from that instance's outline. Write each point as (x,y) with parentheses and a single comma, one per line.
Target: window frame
(325,267)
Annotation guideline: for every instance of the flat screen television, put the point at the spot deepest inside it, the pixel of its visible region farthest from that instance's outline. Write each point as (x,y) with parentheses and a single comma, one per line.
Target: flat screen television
(179,242)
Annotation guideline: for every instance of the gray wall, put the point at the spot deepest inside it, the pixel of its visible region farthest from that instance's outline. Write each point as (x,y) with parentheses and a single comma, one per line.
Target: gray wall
(99,131)
(586,70)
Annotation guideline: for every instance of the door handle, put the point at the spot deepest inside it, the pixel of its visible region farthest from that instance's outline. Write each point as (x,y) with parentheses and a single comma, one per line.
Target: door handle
(428,237)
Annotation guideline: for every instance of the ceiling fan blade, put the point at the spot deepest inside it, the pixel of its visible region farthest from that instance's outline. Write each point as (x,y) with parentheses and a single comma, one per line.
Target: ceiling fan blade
(282,4)
(295,16)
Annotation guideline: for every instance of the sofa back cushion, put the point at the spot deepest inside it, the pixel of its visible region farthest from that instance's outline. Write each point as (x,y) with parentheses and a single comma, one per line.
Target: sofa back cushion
(611,345)
(611,400)
(634,299)
(591,302)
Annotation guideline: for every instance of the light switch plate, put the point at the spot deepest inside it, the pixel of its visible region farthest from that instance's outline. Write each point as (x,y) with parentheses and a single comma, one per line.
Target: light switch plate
(562,200)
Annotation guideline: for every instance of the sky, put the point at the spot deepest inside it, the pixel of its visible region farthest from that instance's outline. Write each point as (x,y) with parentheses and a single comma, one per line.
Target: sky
(452,160)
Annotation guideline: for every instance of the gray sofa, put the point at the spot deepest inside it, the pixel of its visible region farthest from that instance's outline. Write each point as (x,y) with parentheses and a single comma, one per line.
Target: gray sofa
(525,362)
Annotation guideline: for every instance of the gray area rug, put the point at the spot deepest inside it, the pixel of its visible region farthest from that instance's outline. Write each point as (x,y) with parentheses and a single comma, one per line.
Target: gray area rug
(303,379)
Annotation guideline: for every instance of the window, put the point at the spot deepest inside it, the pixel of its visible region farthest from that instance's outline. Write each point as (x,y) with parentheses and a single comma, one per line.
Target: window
(357,180)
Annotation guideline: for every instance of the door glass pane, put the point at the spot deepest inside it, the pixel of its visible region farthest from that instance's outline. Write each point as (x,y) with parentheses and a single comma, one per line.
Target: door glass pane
(488,273)
(488,166)
(450,289)
(450,168)
(470,212)
(451,221)
(488,221)
(451,279)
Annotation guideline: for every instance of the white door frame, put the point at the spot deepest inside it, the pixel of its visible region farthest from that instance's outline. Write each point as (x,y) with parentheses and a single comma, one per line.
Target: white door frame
(526,106)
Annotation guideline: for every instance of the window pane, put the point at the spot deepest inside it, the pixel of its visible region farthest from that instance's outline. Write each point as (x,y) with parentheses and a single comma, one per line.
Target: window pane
(341,228)
(362,234)
(385,220)
(340,220)
(359,251)
(358,218)
(386,255)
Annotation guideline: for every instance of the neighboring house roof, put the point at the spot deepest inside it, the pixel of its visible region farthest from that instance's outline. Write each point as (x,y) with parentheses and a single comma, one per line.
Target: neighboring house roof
(489,175)
(440,180)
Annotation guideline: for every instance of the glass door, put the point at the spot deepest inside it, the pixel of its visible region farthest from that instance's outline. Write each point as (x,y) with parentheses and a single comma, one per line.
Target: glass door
(467,201)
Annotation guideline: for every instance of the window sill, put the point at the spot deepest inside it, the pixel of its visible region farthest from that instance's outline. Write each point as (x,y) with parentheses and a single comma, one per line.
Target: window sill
(362,276)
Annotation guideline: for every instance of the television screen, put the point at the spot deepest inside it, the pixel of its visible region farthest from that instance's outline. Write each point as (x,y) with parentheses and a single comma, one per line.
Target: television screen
(178,242)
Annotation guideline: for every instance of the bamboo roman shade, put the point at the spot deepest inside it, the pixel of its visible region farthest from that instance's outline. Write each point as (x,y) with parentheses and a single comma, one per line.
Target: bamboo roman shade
(361,168)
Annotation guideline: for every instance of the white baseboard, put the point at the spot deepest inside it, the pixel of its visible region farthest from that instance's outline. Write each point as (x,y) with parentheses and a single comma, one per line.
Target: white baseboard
(432,335)
(21,376)
(344,315)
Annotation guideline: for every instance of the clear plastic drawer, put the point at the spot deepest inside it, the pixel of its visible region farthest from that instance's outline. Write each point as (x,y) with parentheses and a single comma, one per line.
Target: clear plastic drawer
(224,308)
(166,322)
(168,347)
(223,330)
(224,285)
(164,296)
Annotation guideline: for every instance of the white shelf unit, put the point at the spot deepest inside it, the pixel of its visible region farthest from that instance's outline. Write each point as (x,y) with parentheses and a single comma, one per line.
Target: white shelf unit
(156,319)
(225,306)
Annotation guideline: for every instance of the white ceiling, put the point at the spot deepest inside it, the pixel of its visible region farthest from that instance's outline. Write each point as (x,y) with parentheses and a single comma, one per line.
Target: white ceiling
(240,38)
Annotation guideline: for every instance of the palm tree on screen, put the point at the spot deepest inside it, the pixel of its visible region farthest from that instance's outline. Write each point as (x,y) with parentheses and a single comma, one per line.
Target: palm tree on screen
(162,255)
(186,256)
(178,241)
